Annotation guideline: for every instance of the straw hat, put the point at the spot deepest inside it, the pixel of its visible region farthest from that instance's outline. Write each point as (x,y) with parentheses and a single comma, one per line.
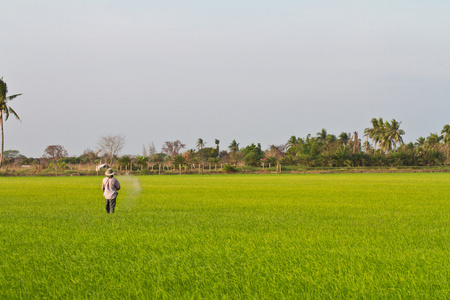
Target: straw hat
(109,172)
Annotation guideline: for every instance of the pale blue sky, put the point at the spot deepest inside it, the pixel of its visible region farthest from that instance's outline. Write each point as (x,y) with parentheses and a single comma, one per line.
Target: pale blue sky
(254,71)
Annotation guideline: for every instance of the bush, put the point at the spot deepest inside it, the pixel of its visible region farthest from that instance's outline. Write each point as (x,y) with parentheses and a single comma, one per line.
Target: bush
(251,159)
(229,169)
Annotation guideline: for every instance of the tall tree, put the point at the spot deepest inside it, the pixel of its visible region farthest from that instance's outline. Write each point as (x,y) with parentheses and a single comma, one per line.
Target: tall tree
(111,145)
(385,136)
(200,144)
(172,149)
(446,130)
(6,110)
(344,138)
(322,136)
(217,142)
(355,142)
(446,134)
(234,146)
(292,142)
(433,141)
(420,142)
(374,132)
(395,134)
(151,149)
(55,152)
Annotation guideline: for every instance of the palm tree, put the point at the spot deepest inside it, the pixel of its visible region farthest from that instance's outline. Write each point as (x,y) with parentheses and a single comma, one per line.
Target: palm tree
(234,146)
(396,133)
(420,142)
(384,136)
(374,132)
(433,141)
(344,138)
(200,144)
(446,132)
(292,142)
(331,138)
(5,109)
(355,142)
(322,136)
(308,138)
(217,142)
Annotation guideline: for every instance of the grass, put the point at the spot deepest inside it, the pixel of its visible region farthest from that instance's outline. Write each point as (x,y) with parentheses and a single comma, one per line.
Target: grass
(227,237)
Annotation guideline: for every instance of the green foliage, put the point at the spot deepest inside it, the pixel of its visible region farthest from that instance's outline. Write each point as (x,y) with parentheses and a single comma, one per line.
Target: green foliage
(124,161)
(271,160)
(207,153)
(234,146)
(288,160)
(229,169)
(252,154)
(141,160)
(62,164)
(178,160)
(11,154)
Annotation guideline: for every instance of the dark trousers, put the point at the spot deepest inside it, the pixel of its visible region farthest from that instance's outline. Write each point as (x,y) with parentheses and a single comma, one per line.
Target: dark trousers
(110,205)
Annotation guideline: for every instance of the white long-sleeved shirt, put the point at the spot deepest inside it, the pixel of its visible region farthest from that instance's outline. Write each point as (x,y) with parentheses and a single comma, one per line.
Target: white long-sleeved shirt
(110,186)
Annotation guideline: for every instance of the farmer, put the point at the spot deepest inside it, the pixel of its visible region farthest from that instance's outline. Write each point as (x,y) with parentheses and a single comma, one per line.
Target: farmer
(110,186)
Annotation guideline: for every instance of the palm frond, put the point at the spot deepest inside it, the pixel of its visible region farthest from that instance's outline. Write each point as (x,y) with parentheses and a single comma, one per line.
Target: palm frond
(12,97)
(11,111)
(5,111)
(3,88)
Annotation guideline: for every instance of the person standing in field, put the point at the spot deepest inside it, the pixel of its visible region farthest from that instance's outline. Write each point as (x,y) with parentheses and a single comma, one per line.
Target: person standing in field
(110,186)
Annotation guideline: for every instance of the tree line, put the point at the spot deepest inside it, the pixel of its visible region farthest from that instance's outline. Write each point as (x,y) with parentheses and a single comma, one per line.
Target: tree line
(383,146)
(380,145)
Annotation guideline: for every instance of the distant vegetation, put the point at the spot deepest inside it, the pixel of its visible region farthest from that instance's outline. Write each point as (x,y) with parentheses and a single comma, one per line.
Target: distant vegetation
(381,145)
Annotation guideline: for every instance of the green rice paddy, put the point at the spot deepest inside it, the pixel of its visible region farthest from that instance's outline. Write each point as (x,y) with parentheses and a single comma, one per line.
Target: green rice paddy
(276,236)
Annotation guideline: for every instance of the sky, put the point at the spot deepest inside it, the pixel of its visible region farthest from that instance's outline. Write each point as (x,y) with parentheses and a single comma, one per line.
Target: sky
(254,71)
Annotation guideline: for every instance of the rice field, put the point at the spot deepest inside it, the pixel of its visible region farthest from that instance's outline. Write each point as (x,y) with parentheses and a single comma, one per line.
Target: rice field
(275,236)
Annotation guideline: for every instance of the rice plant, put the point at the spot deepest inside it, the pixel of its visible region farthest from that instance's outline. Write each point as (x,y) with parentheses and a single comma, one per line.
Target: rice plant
(274,236)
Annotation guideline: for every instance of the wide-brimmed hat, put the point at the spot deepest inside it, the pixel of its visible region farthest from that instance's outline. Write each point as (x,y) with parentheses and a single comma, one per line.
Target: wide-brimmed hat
(109,172)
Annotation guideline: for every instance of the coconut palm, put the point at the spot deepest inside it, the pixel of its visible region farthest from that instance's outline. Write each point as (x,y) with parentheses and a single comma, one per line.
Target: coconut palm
(200,144)
(217,142)
(395,134)
(420,142)
(331,138)
(374,132)
(433,141)
(292,142)
(384,136)
(234,146)
(322,136)
(344,138)
(6,110)
(446,132)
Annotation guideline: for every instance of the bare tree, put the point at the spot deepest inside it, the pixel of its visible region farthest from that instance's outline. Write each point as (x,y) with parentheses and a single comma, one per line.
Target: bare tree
(151,149)
(144,151)
(277,151)
(111,145)
(55,152)
(172,148)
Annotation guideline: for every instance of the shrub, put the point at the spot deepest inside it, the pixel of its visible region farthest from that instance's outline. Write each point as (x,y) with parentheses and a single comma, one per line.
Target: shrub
(229,169)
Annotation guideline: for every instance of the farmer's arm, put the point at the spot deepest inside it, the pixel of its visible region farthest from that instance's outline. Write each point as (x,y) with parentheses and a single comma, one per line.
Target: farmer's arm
(117,185)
